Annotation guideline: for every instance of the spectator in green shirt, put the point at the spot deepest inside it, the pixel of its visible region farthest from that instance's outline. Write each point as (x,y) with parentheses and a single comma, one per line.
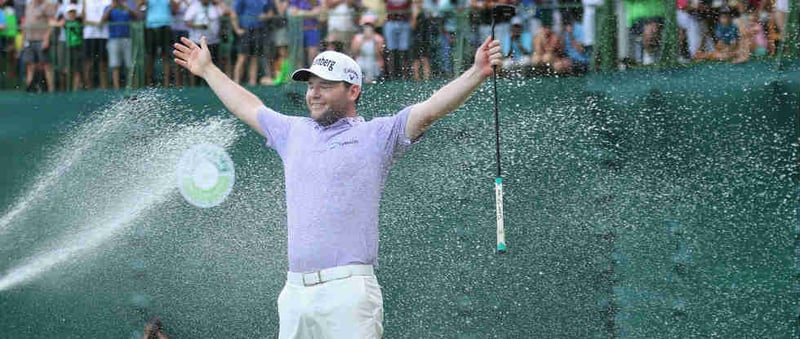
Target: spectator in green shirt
(73,40)
(645,19)
(7,35)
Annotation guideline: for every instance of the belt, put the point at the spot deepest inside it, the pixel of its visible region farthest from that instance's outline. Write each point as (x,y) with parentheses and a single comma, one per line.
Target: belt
(328,274)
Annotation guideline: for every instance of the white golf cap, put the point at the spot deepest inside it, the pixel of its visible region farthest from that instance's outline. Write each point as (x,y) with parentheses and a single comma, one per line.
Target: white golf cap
(332,66)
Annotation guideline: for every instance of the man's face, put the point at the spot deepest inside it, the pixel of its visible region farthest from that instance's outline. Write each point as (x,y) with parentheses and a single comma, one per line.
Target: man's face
(724,19)
(368,29)
(516,30)
(327,101)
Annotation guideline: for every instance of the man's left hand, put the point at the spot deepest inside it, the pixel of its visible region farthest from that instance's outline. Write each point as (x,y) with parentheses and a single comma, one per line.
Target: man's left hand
(488,54)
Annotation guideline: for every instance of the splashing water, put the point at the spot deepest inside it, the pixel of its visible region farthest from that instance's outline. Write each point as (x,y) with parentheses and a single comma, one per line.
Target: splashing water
(105,176)
(73,147)
(637,214)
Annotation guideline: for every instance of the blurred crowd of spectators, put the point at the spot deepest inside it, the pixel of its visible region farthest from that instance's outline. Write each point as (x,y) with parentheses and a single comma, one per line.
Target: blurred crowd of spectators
(46,42)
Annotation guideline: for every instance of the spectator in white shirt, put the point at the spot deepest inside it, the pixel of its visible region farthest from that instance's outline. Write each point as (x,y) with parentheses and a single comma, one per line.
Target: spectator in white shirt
(95,39)
(203,19)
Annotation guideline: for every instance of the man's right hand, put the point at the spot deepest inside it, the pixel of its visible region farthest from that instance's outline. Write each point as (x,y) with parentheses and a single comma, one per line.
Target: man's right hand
(196,59)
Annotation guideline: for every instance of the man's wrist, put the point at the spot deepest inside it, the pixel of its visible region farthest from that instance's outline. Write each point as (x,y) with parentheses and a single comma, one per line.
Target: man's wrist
(475,72)
(208,71)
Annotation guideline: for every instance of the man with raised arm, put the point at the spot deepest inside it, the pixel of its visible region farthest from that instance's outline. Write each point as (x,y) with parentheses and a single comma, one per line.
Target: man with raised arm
(335,165)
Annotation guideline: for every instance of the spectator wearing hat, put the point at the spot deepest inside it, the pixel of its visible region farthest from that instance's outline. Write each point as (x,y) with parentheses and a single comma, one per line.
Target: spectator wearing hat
(517,47)
(73,41)
(367,47)
(645,19)
(69,59)
(726,34)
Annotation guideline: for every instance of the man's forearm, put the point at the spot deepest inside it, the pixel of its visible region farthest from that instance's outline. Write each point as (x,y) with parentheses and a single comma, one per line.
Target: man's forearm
(455,93)
(444,101)
(236,98)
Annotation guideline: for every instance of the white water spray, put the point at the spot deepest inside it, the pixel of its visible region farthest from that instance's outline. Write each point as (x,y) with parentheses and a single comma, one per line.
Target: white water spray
(141,171)
(72,149)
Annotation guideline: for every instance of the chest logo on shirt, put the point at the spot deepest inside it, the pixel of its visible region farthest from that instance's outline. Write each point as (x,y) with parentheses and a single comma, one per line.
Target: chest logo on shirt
(341,143)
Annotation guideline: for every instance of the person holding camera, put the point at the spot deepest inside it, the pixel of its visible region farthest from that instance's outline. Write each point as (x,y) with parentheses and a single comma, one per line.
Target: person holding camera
(203,19)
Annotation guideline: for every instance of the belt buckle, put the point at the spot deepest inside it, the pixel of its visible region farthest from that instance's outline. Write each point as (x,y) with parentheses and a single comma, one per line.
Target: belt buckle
(314,275)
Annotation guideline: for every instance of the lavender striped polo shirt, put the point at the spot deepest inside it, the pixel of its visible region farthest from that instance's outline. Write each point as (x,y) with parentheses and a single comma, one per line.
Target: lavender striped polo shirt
(334,181)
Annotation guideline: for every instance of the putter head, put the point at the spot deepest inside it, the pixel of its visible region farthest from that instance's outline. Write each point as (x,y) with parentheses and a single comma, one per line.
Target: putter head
(503,12)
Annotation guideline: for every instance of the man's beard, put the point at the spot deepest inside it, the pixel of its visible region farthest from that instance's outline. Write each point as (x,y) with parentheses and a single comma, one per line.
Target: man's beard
(330,116)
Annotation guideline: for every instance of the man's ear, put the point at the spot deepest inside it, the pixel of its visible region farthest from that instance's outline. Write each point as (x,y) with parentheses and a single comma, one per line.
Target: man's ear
(354,91)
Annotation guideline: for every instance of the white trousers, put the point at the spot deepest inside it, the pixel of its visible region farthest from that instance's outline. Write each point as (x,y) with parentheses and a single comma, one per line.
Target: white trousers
(345,308)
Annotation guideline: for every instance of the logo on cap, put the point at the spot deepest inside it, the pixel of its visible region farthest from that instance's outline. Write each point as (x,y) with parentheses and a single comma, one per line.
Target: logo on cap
(324,62)
(333,66)
(352,74)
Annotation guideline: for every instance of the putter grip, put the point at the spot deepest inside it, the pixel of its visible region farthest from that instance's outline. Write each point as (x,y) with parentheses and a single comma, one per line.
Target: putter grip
(501,232)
